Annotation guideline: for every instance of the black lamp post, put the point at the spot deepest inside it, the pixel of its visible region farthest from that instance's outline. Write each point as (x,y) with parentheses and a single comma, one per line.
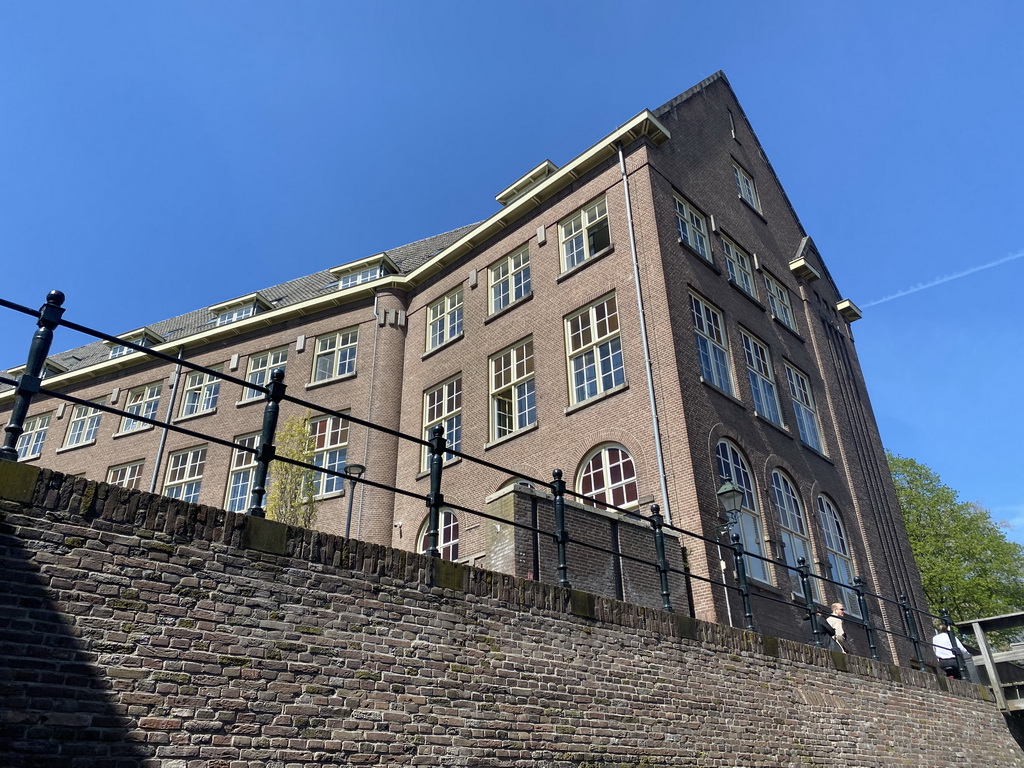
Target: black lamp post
(730,496)
(354,472)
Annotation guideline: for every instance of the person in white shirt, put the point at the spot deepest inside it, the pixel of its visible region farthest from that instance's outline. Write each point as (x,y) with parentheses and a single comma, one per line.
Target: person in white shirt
(944,652)
(839,631)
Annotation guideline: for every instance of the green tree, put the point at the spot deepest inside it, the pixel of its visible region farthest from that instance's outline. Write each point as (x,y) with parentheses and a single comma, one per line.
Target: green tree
(290,497)
(967,564)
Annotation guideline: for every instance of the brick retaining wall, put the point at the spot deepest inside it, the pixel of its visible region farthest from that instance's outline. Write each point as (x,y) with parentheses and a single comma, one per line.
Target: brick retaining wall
(141,631)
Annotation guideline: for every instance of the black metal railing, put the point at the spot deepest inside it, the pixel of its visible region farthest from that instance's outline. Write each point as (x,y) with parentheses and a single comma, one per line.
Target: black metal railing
(30,383)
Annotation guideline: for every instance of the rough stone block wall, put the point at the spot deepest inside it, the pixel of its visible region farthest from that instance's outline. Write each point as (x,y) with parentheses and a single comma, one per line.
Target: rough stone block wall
(143,632)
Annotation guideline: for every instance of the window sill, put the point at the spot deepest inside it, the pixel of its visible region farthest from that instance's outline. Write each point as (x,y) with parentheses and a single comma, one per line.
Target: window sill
(584,264)
(145,428)
(331,495)
(510,436)
(752,299)
(508,308)
(27,459)
(67,448)
(706,261)
(722,392)
(799,338)
(194,416)
(597,398)
(772,424)
(426,472)
(443,345)
(325,382)
(753,208)
(250,401)
(817,453)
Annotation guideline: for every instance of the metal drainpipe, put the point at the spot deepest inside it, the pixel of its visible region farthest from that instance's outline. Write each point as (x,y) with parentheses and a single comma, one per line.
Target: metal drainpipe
(163,430)
(643,336)
(369,402)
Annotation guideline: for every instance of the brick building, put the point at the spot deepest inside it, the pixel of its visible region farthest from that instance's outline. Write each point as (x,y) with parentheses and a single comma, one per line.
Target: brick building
(650,317)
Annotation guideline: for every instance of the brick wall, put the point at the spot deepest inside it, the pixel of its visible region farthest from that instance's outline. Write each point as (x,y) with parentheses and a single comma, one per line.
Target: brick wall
(144,632)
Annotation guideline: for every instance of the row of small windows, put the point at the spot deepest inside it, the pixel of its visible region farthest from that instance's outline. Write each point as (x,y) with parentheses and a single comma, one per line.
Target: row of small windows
(794,533)
(716,369)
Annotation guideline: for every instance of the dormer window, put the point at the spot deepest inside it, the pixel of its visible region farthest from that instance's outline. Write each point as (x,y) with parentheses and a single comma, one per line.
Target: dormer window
(350,275)
(239,309)
(144,337)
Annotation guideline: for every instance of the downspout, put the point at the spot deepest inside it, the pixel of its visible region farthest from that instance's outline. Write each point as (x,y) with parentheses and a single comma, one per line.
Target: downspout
(646,343)
(369,403)
(163,430)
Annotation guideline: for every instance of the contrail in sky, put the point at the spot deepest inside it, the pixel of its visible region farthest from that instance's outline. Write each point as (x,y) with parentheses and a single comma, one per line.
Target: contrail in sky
(944,279)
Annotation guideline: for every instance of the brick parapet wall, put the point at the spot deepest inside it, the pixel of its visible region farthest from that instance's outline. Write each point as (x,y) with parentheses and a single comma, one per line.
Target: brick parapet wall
(147,632)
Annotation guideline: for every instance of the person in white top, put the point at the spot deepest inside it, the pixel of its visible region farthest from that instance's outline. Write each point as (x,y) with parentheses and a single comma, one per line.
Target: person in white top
(836,622)
(944,652)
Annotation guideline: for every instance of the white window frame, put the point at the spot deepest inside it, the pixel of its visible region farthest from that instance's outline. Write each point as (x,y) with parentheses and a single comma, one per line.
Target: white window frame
(358,277)
(329,438)
(732,465)
(738,265)
(238,494)
(442,405)
(803,407)
(712,345)
(593,348)
(509,280)
(234,314)
(33,435)
(444,319)
(761,376)
(201,392)
(335,355)
(447,535)
(84,424)
(608,475)
(260,367)
(838,552)
(792,526)
(141,401)
(184,476)
(778,301)
(125,475)
(746,188)
(513,390)
(585,234)
(692,228)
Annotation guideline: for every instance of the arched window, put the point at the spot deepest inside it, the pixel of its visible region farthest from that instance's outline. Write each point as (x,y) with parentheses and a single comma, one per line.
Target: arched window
(732,466)
(838,553)
(447,535)
(791,521)
(608,475)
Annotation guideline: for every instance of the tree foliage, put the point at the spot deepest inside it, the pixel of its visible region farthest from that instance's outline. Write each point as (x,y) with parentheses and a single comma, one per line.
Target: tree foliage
(290,497)
(967,564)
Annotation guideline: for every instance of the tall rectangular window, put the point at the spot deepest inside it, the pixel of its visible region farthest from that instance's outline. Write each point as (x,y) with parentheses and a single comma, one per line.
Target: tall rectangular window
(762,379)
(692,228)
(330,451)
(510,279)
(125,475)
(85,423)
(442,406)
(594,350)
(260,367)
(30,442)
(335,355)
(803,407)
(444,319)
(201,392)
(584,234)
(712,345)
(141,401)
(242,474)
(737,262)
(778,301)
(185,474)
(513,399)
(745,187)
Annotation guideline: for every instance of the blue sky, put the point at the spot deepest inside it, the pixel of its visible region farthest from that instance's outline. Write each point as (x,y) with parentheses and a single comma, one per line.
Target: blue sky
(159,157)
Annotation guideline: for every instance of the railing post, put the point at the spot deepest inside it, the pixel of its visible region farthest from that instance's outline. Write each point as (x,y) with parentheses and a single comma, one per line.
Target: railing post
(657,521)
(435,499)
(267,450)
(953,644)
(28,383)
(915,638)
(812,611)
(869,628)
(741,578)
(561,535)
